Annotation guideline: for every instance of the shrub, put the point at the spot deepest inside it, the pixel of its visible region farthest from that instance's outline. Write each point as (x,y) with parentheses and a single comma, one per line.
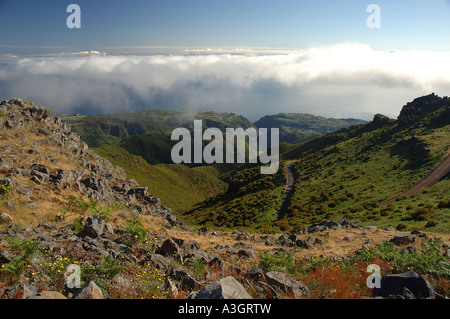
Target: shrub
(136,229)
(5,191)
(106,270)
(277,262)
(431,223)
(24,251)
(444,204)
(420,214)
(77,224)
(427,259)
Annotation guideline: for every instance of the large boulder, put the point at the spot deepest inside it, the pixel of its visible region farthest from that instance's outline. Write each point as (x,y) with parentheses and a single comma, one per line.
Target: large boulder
(169,248)
(404,285)
(90,291)
(402,239)
(286,284)
(225,288)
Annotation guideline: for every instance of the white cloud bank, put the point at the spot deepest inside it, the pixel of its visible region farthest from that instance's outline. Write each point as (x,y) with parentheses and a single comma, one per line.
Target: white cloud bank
(345,80)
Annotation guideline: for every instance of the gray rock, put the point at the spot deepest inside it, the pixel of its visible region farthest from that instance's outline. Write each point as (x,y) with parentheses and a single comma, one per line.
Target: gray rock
(394,285)
(187,281)
(20,291)
(8,182)
(48,295)
(286,284)
(246,253)
(303,243)
(225,288)
(402,239)
(158,261)
(93,227)
(24,190)
(5,218)
(169,248)
(90,291)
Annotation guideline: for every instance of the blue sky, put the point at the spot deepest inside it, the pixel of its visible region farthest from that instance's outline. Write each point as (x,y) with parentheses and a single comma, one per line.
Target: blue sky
(317,57)
(412,24)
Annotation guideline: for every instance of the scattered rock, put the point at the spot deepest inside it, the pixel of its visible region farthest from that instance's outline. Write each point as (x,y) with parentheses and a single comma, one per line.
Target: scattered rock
(225,288)
(93,227)
(48,295)
(402,239)
(5,218)
(187,281)
(169,248)
(158,261)
(286,284)
(90,291)
(246,253)
(20,291)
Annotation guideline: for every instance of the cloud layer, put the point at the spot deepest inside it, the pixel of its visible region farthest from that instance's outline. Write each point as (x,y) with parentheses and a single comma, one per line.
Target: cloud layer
(337,81)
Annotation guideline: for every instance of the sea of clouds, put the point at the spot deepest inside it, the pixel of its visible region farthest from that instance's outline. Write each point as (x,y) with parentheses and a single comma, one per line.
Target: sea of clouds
(344,80)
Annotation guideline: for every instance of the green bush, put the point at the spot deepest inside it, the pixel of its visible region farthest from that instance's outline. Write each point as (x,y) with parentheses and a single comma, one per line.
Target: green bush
(77,224)
(277,262)
(427,259)
(5,191)
(25,251)
(421,214)
(136,230)
(105,271)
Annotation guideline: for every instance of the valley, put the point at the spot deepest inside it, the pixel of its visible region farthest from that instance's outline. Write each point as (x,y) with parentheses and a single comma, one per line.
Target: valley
(347,172)
(339,202)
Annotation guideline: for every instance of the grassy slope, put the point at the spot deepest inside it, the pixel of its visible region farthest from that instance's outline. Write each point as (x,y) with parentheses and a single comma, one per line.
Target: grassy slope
(179,187)
(349,172)
(251,201)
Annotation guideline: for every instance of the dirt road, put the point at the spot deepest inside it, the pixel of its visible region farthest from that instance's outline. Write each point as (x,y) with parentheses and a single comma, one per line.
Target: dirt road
(290,178)
(435,175)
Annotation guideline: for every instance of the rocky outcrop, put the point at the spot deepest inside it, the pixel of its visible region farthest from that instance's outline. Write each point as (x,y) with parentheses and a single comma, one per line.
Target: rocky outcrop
(225,288)
(292,239)
(95,177)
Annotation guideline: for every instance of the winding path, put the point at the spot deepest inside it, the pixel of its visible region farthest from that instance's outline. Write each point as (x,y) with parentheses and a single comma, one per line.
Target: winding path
(435,175)
(289,168)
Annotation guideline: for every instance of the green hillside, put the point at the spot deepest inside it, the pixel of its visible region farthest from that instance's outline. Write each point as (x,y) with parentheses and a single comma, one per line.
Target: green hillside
(344,173)
(349,172)
(178,186)
(296,127)
(251,201)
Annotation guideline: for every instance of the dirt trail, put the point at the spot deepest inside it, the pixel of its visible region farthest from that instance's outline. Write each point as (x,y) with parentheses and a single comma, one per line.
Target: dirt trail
(435,175)
(288,192)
